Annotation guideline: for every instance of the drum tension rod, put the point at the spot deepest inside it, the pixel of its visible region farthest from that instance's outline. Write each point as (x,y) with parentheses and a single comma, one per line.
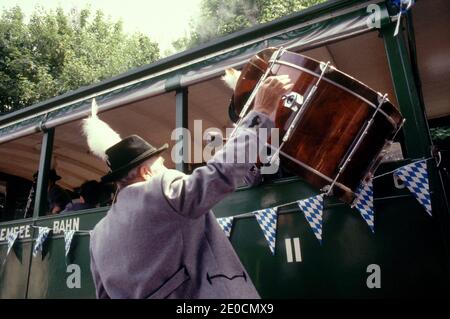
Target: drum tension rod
(293,101)
(356,146)
(275,56)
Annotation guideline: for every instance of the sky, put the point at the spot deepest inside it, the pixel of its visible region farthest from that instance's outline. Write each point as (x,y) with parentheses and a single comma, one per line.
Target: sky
(162,20)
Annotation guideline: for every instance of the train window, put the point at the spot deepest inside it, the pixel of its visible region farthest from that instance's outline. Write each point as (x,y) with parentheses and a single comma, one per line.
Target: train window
(80,171)
(207,118)
(19,162)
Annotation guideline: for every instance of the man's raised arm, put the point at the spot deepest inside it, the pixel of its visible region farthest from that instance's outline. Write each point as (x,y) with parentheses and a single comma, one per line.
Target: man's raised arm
(195,194)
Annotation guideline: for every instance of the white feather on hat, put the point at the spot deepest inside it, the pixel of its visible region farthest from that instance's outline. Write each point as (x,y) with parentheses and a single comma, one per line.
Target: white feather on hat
(99,135)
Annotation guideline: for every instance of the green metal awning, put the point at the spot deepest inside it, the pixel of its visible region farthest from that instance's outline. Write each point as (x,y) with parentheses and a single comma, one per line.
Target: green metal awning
(305,35)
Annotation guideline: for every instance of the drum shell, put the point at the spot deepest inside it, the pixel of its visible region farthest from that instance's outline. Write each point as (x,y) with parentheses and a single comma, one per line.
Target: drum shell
(332,125)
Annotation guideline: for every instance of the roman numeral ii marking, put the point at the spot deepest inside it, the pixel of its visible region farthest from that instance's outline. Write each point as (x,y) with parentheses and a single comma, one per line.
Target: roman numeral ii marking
(293,251)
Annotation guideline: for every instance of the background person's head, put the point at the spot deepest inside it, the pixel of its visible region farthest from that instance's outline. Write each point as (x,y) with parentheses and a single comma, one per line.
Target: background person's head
(90,192)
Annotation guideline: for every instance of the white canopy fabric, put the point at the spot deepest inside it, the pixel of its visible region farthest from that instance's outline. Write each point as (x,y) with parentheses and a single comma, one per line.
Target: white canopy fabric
(147,109)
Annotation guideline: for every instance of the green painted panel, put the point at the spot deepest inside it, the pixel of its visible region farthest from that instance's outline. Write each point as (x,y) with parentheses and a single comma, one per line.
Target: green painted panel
(52,275)
(407,245)
(417,136)
(14,268)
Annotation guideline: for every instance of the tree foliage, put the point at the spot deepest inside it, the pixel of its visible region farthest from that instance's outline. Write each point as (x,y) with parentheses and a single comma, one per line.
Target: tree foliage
(221,17)
(55,52)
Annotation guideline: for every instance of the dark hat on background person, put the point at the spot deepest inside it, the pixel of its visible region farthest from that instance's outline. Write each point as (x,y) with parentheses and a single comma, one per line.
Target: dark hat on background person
(128,154)
(51,175)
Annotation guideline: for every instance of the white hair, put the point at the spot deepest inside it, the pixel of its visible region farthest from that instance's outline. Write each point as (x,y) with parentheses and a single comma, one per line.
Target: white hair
(134,175)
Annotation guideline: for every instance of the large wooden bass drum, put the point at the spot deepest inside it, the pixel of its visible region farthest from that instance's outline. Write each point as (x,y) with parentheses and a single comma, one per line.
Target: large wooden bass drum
(333,127)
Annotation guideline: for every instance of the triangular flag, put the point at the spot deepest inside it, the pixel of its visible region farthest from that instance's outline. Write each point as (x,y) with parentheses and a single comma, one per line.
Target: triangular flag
(68,236)
(267,220)
(364,203)
(226,223)
(415,177)
(11,238)
(42,236)
(312,208)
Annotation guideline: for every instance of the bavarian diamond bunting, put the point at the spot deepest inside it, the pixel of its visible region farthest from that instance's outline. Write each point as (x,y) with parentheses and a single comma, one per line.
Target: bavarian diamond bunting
(312,208)
(364,203)
(226,223)
(11,238)
(42,236)
(267,220)
(415,177)
(68,236)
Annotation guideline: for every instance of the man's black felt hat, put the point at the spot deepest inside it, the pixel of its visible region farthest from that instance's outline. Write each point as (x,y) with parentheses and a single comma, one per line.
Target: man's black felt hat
(128,154)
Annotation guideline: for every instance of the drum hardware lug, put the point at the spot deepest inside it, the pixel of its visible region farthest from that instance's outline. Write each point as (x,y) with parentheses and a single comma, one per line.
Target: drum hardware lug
(293,101)
(305,103)
(327,190)
(356,145)
(381,98)
(326,67)
(299,112)
(274,159)
(276,55)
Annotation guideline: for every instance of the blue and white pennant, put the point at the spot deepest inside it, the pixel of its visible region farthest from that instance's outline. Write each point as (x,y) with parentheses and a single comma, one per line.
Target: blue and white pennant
(312,207)
(415,177)
(226,223)
(11,239)
(267,220)
(42,236)
(364,203)
(68,236)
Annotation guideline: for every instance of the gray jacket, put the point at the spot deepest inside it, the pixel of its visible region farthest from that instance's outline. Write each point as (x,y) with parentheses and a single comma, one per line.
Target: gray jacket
(160,239)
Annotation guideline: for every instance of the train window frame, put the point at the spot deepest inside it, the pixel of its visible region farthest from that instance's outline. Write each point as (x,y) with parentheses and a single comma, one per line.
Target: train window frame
(36,149)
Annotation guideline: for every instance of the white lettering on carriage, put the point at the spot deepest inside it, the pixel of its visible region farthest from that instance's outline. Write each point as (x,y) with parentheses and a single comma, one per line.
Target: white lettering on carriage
(60,226)
(27,231)
(290,253)
(23,232)
(56,227)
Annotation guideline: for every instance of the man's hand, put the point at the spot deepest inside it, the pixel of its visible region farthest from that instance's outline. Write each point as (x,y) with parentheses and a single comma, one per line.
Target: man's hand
(270,93)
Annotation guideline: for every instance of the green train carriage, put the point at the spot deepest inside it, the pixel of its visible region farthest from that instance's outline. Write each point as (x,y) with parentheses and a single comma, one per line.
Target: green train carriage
(409,247)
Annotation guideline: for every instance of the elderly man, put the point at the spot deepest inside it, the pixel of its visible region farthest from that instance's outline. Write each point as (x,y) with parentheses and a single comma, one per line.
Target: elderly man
(160,239)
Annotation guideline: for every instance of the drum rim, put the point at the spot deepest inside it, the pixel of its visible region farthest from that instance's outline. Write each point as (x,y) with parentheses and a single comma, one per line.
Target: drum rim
(370,96)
